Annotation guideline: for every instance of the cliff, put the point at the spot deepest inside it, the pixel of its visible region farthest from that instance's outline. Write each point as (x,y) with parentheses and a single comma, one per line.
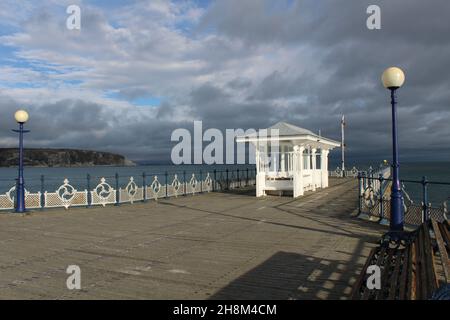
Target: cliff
(62,158)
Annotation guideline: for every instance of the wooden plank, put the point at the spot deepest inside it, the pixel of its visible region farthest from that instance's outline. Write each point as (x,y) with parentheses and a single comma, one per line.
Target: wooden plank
(412,288)
(430,272)
(356,295)
(406,273)
(445,232)
(420,265)
(442,250)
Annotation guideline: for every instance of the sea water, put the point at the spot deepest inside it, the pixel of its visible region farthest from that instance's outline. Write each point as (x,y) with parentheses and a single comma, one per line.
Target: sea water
(434,172)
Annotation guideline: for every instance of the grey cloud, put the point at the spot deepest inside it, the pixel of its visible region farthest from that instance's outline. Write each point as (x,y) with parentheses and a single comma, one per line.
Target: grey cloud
(81,124)
(328,22)
(239,83)
(252,63)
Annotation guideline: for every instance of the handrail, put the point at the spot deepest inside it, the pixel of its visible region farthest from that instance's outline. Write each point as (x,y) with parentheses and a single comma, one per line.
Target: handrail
(411,181)
(415,213)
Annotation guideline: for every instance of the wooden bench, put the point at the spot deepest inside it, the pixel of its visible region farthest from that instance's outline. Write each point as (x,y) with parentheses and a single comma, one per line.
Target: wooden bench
(412,268)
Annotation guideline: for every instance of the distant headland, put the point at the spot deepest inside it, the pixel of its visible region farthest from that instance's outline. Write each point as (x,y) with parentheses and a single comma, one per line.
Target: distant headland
(62,158)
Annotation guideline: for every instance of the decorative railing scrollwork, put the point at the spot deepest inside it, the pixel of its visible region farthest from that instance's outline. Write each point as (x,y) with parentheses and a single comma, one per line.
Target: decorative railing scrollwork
(193,186)
(369,197)
(406,200)
(131,193)
(11,194)
(207,183)
(103,194)
(32,200)
(445,209)
(175,188)
(155,189)
(131,188)
(65,196)
(66,193)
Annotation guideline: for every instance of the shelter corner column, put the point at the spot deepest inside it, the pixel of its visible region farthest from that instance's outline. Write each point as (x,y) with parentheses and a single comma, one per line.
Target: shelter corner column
(314,168)
(324,167)
(260,175)
(298,188)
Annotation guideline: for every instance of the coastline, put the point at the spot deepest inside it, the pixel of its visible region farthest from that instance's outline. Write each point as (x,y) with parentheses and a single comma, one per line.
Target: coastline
(61,157)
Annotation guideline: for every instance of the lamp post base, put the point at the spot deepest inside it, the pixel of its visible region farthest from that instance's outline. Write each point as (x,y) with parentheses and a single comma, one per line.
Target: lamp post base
(397,236)
(22,213)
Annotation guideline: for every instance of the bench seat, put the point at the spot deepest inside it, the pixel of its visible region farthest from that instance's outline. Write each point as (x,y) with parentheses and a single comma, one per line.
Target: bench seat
(413,268)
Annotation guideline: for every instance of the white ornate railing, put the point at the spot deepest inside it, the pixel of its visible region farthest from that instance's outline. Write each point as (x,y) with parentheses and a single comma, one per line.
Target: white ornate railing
(109,193)
(353,172)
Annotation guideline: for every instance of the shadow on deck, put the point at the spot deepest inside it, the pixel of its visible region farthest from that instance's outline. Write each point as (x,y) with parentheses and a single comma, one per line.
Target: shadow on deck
(294,276)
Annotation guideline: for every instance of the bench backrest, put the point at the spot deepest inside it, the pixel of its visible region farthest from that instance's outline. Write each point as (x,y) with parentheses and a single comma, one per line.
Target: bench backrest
(413,271)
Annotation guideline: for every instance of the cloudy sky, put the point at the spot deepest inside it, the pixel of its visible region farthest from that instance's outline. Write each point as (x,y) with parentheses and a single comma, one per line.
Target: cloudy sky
(139,69)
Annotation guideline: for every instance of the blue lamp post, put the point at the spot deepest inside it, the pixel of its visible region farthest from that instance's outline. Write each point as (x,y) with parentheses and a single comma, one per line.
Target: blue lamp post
(393,78)
(21,117)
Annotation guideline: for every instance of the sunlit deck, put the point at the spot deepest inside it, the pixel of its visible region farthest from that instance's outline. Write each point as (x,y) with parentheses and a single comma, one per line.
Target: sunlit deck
(209,246)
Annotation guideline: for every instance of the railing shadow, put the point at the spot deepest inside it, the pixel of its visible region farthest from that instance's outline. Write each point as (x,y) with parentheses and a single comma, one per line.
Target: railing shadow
(293,276)
(242,191)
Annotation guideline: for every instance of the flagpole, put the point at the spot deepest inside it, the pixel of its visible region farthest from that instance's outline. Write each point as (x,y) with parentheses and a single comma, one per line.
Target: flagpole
(343,145)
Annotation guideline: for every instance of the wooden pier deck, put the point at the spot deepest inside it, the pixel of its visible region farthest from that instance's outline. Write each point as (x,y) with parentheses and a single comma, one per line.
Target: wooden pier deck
(209,246)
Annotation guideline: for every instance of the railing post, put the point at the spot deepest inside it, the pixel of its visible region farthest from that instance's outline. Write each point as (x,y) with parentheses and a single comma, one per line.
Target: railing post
(184,181)
(144,187)
(42,192)
(246,181)
(201,181)
(364,180)
(238,179)
(360,184)
(425,208)
(228,187)
(215,179)
(381,199)
(166,179)
(88,187)
(117,190)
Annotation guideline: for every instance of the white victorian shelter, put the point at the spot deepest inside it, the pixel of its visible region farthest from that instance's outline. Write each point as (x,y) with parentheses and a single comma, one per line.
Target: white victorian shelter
(287,159)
